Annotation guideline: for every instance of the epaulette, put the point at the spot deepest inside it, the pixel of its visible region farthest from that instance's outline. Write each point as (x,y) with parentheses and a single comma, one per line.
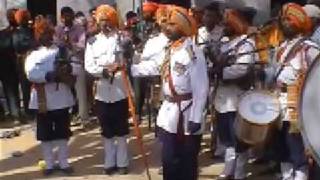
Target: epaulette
(191,53)
(91,40)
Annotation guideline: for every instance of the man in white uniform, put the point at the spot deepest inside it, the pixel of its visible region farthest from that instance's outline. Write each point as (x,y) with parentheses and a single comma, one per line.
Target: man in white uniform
(228,92)
(111,103)
(209,37)
(295,55)
(185,88)
(51,95)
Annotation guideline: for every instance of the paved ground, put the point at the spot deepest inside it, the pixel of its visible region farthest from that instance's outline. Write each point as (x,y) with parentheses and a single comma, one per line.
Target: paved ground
(86,156)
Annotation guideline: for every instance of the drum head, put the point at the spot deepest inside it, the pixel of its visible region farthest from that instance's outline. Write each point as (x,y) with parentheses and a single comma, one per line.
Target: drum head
(310,110)
(259,107)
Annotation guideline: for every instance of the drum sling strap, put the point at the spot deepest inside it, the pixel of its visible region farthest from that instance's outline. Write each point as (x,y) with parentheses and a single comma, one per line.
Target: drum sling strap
(294,49)
(41,97)
(178,98)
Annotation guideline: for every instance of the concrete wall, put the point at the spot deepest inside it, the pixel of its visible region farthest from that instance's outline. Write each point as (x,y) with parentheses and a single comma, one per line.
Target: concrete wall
(16,3)
(3,18)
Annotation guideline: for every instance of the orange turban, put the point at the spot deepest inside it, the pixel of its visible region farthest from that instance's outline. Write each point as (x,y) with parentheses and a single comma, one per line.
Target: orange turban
(297,17)
(234,19)
(22,15)
(180,16)
(149,8)
(162,14)
(42,26)
(107,12)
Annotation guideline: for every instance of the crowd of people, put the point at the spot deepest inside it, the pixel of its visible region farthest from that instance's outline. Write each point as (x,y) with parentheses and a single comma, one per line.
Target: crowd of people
(205,60)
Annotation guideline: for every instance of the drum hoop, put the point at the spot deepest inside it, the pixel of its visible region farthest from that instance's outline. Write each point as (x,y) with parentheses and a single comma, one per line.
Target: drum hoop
(255,124)
(266,92)
(300,116)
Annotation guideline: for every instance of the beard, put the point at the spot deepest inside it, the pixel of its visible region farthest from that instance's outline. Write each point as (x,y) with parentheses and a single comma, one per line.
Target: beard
(174,36)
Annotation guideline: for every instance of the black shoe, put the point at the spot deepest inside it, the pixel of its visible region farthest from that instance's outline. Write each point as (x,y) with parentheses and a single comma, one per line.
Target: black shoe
(47,172)
(123,170)
(67,171)
(225,177)
(110,171)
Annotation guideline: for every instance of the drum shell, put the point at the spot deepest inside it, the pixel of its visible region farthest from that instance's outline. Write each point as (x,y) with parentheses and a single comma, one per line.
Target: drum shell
(254,134)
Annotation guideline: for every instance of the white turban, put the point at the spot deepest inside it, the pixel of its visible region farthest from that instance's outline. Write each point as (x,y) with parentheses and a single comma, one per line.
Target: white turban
(312,11)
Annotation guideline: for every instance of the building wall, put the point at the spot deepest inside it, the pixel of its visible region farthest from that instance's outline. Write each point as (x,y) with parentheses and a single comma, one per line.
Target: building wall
(3,18)
(263,7)
(16,3)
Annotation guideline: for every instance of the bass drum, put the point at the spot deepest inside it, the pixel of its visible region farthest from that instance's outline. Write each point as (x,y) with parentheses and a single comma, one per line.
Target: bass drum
(258,113)
(309,110)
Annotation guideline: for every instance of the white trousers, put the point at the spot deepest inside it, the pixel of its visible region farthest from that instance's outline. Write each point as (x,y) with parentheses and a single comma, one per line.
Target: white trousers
(48,154)
(229,160)
(81,90)
(116,152)
(288,173)
(242,159)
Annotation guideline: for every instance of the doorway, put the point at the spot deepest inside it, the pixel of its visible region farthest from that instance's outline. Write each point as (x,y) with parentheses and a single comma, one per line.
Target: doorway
(43,7)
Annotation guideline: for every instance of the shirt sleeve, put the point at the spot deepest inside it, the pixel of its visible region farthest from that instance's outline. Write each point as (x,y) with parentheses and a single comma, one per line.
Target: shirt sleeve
(145,68)
(34,70)
(238,70)
(200,87)
(81,43)
(149,64)
(90,63)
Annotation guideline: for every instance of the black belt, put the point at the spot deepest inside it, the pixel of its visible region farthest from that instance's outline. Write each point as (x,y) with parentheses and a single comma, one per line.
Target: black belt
(284,89)
(179,98)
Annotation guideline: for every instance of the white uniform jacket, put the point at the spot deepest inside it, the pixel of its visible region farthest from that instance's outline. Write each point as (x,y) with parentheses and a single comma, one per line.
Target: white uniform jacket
(101,51)
(227,97)
(37,65)
(189,75)
(154,49)
(288,74)
(204,36)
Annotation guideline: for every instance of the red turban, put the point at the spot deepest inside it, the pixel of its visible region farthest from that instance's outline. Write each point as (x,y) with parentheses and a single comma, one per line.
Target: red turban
(42,26)
(162,14)
(22,15)
(180,16)
(107,12)
(234,20)
(149,8)
(297,17)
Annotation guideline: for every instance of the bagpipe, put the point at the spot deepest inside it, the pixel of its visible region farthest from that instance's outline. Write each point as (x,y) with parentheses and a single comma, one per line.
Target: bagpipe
(63,67)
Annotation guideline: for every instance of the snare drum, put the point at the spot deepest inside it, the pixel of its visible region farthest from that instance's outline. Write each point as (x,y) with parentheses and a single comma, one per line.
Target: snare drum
(258,111)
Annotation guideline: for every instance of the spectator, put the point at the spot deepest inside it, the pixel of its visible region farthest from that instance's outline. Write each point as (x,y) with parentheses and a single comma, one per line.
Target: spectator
(22,40)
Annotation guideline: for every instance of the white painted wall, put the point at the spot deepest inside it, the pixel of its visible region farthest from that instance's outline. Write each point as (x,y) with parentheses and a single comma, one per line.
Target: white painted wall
(3,17)
(16,3)
(263,7)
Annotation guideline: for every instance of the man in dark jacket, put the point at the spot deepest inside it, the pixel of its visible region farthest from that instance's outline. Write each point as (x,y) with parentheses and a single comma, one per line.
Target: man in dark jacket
(8,75)
(22,40)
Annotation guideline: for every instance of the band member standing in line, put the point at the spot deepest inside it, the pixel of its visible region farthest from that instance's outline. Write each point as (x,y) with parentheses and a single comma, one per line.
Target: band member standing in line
(111,103)
(228,92)
(51,95)
(209,37)
(72,36)
(185,88)
(295,54)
